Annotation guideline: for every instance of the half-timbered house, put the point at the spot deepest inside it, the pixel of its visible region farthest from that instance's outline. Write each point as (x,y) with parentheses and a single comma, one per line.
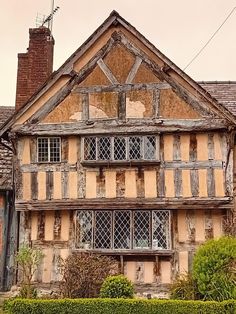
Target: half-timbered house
(121,153)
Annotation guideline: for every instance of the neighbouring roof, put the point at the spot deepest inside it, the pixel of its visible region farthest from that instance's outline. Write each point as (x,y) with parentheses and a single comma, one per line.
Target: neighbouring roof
(223,91)
(5,154)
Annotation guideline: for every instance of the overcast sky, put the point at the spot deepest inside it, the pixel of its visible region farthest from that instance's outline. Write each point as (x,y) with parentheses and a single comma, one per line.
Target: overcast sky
(178,28)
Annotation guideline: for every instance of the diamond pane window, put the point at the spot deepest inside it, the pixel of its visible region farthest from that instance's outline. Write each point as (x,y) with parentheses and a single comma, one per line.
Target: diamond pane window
(122,229)
(161,229)
(84,231)
(103,225)
(104,148)
(149,147)
(90,148)
(119,148)
(49,149)
(135,143)
(142,232)
(109,148)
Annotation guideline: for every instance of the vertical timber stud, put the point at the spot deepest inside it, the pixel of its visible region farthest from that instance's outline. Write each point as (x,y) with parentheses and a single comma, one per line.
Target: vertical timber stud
(156,103)
(49,185)
(176,148)
(85,107)
(211,150)
(178,172)
(161,176)
(193,172)
(121,106)
(34,185)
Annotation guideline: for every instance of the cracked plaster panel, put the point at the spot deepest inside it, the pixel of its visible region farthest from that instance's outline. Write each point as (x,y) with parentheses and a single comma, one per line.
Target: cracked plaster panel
(103,105)
(173,107)
(69,110)
(120,62)
(139,104)
(97,77)
(144,75)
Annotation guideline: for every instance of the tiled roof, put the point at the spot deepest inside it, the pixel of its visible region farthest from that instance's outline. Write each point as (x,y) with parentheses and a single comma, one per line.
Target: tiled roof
(5,154)
(5,113)
(224,92)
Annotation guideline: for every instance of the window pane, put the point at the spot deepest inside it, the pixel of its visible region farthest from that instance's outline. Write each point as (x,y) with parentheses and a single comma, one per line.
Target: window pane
(55,148)
(90,148)
(84,229)
(122,233)
(43,149)
(119,148)
(102,232)
(161,229)
(135,143)
(142,228)
(104,148)
(149,147)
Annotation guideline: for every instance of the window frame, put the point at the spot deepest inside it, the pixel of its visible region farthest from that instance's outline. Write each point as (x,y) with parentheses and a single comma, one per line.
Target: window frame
(91,246)
(49,149)
(127,159)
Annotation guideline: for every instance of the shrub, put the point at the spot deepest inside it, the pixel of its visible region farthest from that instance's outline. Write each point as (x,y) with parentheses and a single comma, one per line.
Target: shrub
(84,273)
(117,287)
(184,288)
(214,269)
(119,306)
(28,260)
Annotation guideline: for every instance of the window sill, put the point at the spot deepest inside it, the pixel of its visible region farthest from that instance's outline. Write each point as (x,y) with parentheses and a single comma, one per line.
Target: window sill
(110,164)
(138,252)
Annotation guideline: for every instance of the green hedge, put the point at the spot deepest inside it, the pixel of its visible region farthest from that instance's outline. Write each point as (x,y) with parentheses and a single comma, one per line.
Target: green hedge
(119,306)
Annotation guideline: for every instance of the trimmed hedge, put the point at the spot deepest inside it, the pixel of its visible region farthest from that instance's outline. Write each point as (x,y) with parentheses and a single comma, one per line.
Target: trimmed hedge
(119,306)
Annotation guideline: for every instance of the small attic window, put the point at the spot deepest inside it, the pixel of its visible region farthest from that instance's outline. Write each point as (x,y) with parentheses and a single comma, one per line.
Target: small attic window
(49,149)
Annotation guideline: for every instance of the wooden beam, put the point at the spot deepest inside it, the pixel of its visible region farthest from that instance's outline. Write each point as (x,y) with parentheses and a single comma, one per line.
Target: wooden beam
(118,127)
(107,71)
(120,87)
(133,70)
(122,203)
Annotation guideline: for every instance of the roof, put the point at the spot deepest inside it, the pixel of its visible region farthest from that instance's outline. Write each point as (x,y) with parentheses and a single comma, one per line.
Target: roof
(5,113)
(223,91)
(5,153)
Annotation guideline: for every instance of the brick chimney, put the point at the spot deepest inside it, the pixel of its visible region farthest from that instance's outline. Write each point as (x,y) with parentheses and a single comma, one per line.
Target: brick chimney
(34,66)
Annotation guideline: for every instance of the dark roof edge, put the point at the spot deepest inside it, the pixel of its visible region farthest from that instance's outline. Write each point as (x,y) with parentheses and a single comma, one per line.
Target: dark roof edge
(216,82)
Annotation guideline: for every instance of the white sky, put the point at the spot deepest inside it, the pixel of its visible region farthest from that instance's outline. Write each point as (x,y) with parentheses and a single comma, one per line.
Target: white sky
(178,28)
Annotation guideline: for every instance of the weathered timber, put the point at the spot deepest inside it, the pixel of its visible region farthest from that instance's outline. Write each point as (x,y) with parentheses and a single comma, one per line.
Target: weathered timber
(194,182)
(122,203)
(123,164)
(193,148)
(49,185)
(156,103)
(210,182)
(115,126)
(34,185)
(178,182)
(65,192)
(211,153)
(107,71)
(176,147)
(135,252)
(133,70)
(121,105)
(85,106)
(120,87)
